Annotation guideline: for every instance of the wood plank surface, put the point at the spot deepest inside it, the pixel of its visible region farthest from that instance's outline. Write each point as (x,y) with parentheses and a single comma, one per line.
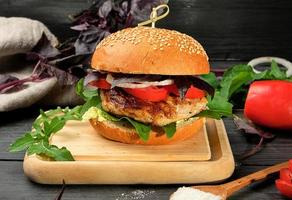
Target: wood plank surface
(228,29)
(14,185)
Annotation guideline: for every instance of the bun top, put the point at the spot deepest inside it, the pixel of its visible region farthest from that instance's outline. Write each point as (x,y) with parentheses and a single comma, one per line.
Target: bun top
(146,50)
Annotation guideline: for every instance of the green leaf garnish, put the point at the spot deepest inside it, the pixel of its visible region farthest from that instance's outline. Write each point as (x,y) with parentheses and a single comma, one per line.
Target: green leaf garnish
(50,122)
(143,130)
(211,79)
(44,148)
(22,143)
(169,130)
(218,107)
(234,78)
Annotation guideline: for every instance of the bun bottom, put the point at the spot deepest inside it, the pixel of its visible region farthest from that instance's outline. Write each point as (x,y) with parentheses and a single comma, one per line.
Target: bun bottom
(122,132)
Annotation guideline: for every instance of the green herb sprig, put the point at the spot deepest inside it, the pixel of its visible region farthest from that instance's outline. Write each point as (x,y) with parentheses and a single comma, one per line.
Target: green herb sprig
(48,123)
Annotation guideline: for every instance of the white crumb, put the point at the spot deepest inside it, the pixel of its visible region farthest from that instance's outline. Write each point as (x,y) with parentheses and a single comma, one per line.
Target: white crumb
(188,193)
(135,195)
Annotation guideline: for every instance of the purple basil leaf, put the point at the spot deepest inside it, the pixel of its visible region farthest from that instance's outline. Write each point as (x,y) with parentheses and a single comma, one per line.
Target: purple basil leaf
(17,83)
(44,48)
(63,77)
(105,9)
(8,82)
(89,15)
(69,61)
(141,9)
(250,152)
(7,78)
(123,9)
(249,128)
(87,40)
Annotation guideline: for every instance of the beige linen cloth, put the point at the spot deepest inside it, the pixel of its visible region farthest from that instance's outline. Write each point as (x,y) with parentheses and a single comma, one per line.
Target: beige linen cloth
(20,35)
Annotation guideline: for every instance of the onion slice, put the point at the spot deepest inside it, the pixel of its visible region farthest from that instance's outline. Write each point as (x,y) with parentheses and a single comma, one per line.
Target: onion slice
(136,82)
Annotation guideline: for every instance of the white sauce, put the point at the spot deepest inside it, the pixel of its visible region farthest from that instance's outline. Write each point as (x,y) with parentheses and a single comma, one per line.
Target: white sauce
(188,193)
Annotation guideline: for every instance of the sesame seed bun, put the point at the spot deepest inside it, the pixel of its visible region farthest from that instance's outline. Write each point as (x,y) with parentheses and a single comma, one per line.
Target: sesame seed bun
(117,131)
(145,50)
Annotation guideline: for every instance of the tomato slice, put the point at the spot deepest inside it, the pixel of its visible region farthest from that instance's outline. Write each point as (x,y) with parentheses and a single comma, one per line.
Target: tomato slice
(151,93)
(100,83)
(290,165)
(194,93)
(284,187)
(172,89)
(286,175)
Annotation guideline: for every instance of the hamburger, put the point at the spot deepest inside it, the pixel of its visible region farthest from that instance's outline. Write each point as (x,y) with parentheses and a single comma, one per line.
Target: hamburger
(148,86)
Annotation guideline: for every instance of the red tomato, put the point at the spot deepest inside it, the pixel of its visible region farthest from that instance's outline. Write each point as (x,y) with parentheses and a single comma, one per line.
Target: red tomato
(290,165)
(269,103)
(194,93)
(285,175)
(172,89)
(151,93)
(284,187)
(101,83)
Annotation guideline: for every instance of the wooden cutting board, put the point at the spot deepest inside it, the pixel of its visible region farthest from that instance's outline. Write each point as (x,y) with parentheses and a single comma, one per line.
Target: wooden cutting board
(85,144)
(100,161)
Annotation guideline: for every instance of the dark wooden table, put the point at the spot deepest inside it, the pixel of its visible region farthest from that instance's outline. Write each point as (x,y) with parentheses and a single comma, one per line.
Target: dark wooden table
(232,31)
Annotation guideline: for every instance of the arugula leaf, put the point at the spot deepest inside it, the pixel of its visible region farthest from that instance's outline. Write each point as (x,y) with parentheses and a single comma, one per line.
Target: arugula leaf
(211,79)
(94,101)
(51,151)
(234,78)
(89,93)
(80,88)
(48,123)
(142,130)
(217,107)
(56,124)
(275,72)
(84,92)
(22,143)
(170,129)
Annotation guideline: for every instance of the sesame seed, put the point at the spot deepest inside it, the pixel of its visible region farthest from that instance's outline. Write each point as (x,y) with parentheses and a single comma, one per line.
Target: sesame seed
(155,37)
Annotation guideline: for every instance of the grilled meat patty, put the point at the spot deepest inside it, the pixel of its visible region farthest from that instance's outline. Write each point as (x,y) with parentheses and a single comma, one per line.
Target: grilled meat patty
(120,103)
